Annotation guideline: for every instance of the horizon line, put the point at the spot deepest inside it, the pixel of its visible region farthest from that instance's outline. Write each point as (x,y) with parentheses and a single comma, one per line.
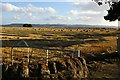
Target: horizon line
(61,24)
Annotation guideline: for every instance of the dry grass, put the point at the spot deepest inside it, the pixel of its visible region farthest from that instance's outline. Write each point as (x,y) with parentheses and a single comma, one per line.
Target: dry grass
(66,34)
(75,38)
(89,41)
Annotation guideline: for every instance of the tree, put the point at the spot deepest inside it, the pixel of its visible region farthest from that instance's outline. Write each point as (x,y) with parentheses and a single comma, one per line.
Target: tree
(27,25)
(114,10)
(113,14)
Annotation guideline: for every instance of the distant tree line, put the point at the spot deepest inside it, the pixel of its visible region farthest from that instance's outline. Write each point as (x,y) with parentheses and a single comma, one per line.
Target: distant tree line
(27,25)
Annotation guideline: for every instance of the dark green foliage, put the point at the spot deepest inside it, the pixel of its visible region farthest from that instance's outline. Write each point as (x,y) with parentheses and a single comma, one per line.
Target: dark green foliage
(113,12)
(27,25)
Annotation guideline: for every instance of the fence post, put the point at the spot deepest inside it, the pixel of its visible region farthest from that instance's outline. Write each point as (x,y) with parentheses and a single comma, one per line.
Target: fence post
(12,55)
(118,44)
(47,57)
(118,40)
(78,53)
(72,54)
(28,61)
(28,55)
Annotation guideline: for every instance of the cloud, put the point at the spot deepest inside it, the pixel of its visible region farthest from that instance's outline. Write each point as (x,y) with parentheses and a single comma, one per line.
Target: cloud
(43,0)
(90,6)
(0,19)
(75,0)
(85,18)
(75,12)
(60,18)
(35,18)
(29,14)
(7,7)
(16,17)
(104,22)
(88,11)
(80,13)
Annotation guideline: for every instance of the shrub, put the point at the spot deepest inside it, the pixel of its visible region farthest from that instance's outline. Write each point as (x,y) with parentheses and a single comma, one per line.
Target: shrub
(27,25)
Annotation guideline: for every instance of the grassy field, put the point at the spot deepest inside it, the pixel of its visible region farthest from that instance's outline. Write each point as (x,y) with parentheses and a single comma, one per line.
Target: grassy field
(90,41)
(83,39)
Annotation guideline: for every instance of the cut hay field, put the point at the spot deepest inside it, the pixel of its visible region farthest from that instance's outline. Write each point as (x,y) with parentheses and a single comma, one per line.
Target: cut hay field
(85,39)
(92,43)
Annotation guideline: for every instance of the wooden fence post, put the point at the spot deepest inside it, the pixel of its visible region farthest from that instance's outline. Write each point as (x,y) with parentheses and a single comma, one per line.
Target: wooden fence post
(47,57)
(78,53)
(12,56)
(72,54)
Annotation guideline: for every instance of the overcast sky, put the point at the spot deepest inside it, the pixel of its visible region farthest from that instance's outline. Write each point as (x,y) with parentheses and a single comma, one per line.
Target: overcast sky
(83,12)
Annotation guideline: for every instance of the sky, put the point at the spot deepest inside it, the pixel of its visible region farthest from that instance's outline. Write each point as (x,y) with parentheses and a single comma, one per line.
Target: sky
(45,12)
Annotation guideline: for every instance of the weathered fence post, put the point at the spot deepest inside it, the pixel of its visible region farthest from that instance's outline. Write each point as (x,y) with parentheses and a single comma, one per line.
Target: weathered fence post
(28,60)
(28,55)
(118,37)
(12,56)
(47,57)
(118,45)
(78,53)
(72,54)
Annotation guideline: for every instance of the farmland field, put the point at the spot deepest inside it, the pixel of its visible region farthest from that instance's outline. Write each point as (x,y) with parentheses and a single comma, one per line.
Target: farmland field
(80,38)
(92,43)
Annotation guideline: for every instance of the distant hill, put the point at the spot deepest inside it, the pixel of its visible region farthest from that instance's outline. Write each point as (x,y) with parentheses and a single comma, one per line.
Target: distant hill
(61,25)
